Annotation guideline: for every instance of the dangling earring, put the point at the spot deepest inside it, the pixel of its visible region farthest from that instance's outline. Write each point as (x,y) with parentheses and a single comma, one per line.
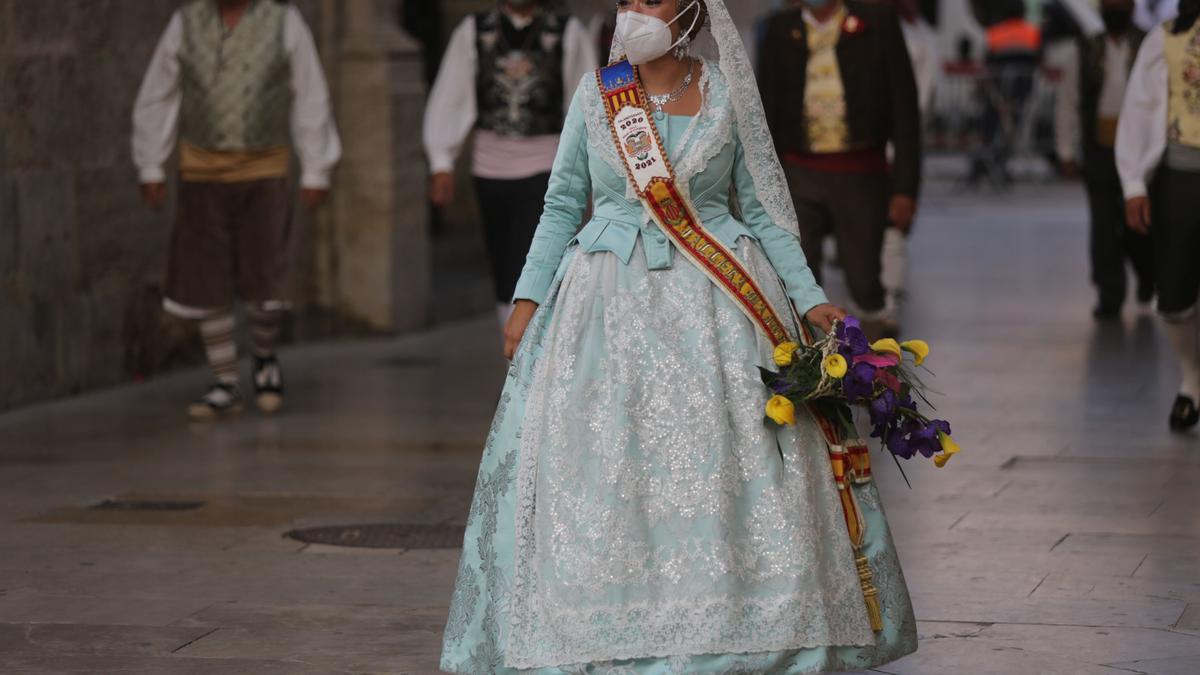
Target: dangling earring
(683,49)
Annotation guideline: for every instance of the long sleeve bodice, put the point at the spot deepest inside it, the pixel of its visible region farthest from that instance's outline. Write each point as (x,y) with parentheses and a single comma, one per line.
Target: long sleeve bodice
(618,220)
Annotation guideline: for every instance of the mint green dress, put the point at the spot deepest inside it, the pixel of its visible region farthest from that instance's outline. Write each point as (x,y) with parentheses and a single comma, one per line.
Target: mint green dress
(633,513)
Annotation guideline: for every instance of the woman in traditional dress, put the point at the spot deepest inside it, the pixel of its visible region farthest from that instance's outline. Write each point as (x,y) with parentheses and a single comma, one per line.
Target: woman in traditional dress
(634,512)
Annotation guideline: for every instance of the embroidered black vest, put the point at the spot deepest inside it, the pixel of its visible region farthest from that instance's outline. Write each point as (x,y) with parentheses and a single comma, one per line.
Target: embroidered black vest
(519,80)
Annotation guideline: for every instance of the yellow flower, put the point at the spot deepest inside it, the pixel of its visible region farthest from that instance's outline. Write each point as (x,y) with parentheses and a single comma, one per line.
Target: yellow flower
(781,410)
(783,353)
(836,366)
(918,348)
(949,449)
(887,346)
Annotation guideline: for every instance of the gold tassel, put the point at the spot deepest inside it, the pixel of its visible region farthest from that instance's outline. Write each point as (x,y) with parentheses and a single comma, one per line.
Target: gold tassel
(870,593)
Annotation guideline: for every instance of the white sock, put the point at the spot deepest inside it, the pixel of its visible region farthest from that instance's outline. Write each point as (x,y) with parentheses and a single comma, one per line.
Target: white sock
(895,261)
(1182,331)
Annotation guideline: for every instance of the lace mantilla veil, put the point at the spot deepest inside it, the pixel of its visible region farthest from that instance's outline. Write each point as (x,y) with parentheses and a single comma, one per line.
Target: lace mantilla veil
(721,43)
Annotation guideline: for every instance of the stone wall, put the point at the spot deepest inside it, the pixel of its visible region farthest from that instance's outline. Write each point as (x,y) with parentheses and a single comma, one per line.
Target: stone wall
(82,261)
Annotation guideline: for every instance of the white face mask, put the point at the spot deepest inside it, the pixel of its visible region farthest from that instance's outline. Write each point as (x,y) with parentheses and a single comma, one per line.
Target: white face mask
(646,38)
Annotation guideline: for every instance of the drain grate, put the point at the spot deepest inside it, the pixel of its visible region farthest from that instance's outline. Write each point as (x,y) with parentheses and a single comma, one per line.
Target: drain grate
(383,536)
(146,505)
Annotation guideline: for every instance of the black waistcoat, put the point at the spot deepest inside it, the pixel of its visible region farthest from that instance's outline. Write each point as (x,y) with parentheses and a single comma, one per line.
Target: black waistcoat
(519,81)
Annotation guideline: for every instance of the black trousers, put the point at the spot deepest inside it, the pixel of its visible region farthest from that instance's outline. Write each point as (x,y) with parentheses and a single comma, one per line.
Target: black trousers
(510,210)
(853,207)
(1112,242)
(1176,227)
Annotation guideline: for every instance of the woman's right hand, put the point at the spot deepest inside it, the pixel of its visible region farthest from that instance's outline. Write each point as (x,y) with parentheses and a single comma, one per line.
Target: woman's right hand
(522,314)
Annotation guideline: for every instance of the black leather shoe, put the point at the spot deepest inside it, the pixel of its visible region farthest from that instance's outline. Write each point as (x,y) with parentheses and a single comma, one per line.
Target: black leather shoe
(1184,414)
(221,400)
(268,384)
(1105,311)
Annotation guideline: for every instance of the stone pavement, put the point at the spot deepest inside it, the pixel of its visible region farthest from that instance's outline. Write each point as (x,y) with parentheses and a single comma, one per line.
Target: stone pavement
(1065,539)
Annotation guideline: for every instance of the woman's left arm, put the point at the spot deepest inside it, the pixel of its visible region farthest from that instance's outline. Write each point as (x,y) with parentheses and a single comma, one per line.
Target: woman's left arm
(566,202)
(782,247)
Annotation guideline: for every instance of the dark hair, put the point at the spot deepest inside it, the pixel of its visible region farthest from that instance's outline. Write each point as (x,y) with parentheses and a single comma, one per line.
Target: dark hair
(1189,11)
(690,15)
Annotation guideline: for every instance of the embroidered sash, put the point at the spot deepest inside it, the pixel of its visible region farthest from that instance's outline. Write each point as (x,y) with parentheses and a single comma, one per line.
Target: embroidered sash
(653,177)
(851,464)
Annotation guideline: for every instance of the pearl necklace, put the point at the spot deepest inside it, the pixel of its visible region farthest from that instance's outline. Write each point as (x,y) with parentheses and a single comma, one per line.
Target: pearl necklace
(660,100)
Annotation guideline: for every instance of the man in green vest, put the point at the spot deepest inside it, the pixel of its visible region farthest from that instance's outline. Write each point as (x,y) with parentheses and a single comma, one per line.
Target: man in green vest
(235,85)
(1158,137)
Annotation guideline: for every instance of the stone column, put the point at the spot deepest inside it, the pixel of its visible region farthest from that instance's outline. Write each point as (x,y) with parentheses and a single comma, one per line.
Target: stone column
(377,274)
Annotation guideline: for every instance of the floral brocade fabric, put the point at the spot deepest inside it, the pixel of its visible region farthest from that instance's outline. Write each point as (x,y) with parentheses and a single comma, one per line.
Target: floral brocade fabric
(633,514)
(654,515)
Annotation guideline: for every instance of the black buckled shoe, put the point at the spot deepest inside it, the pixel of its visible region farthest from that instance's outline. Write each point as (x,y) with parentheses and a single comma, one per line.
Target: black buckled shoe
(268,384)
(220,400)
(1184,414)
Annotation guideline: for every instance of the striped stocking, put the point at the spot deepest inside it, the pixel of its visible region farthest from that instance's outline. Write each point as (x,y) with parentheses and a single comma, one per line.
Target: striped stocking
(220,347)
(265,325)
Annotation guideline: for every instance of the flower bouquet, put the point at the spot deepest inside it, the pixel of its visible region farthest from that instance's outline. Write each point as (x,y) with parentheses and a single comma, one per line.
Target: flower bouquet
(843,371)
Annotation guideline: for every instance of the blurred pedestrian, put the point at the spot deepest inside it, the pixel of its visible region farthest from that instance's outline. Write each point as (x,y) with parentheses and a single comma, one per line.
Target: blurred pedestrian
(838,86)
(509,74)
(927,66)
(231,79)
(921,41)
(1087,108)
(1160,123)
(1013,56)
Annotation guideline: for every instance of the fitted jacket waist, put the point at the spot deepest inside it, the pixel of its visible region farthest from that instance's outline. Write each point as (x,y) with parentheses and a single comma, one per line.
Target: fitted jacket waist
(616,228)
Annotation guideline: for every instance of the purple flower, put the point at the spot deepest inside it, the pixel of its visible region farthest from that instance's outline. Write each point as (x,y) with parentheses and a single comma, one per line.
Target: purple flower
(925,440)
(879,431)
(856,342)
(852,341)
(883,408)
(859,383)
(898,443)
